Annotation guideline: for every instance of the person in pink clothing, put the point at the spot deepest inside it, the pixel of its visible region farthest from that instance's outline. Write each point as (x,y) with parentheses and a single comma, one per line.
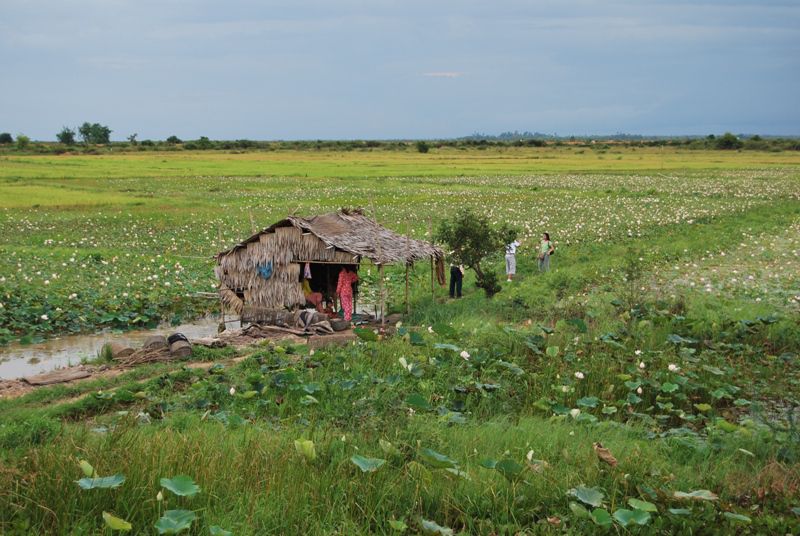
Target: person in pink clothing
(344,288)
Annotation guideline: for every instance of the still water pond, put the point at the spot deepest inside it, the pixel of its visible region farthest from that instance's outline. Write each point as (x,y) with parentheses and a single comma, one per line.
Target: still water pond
(17,360)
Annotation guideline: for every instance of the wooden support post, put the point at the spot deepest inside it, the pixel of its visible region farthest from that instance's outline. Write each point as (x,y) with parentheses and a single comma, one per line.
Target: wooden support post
(219,287)
(430,238)
(408,246)
(408,304)
(253,223)
(380,290)
(380,266)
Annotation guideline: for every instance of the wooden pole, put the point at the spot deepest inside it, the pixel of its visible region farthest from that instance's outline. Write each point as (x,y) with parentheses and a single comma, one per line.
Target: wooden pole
(380,266)
(408,239)
(253,223)
(430,237)
(221,303)
(380,290)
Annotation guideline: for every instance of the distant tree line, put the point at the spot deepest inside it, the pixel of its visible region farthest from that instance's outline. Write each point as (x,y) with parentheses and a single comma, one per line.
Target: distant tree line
(94,138)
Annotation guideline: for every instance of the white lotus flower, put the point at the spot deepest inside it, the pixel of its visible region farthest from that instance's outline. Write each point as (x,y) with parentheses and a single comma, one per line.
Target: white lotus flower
(641,365)
(464,354)
(232,391)
(579,375)
(574,412)
(673,367)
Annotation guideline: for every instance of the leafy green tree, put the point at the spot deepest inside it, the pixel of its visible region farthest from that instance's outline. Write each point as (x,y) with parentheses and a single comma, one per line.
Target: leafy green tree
(472,239)
(23,142)
(5,138)
(423,146)
(66,136)
(94,133)
(729,142)
(172,140)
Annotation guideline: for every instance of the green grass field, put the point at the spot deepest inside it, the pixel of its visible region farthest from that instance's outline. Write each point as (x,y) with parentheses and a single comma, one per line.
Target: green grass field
(667,331)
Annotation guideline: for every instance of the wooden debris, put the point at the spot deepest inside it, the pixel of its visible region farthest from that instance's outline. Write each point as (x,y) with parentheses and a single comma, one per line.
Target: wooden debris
(604,454)
(155,341)
(118,350)
(57,376)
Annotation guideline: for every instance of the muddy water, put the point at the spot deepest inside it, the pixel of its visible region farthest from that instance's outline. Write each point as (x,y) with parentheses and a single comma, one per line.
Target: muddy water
(18,360)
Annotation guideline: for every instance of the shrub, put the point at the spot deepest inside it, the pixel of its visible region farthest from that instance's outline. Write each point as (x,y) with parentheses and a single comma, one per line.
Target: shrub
(173,140)
(5,138)
(23,142)
(423,147)
(66,136)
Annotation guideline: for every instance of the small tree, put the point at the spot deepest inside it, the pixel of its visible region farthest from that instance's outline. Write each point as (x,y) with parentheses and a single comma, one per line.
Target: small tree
(132,138)
(423,146)
(6,138)
(472,239)
(66,136)
(23,141)
(172,140)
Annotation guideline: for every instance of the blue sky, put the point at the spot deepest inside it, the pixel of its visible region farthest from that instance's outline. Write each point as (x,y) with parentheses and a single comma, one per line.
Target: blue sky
(307,69)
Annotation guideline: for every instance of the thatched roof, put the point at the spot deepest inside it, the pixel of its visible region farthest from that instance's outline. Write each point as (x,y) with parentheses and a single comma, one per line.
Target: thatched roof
(356,234)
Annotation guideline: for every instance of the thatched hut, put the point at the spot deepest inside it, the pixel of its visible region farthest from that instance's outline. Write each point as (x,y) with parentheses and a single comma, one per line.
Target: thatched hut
(263,274)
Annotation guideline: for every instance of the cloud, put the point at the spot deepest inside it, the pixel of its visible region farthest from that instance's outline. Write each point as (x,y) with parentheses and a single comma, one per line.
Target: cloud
(443,74)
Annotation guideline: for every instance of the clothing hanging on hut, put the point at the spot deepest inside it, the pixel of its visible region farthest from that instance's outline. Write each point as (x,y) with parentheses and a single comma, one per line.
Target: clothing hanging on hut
(265,270)
(344,288)
(307,271)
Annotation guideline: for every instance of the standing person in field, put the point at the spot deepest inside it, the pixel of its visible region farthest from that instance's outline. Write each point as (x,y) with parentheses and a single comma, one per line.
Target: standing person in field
(511,259)
(546,248)
(456,280)
(344,288)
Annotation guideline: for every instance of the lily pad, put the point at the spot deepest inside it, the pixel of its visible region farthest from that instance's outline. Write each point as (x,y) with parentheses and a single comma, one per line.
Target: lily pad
(216,530)
(104,482)
(590,496)
(418,402)
(175,521)
(601,517)
(436,460)
(739,518)
(398,525)
(627,517)
(365,334)
(434,529)
(181,485)
(679,511)
(645,506)
(696,495)
(510,469)
(669,387)
(116,523)
(367,465)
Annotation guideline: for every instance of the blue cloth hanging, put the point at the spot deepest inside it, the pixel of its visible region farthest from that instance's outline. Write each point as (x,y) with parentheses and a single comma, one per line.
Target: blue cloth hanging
(265,271)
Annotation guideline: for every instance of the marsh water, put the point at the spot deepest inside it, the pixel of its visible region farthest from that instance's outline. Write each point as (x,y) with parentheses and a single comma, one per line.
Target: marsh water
(18,360)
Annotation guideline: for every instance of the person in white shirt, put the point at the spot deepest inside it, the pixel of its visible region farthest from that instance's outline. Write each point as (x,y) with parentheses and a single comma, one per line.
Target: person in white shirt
(511,259)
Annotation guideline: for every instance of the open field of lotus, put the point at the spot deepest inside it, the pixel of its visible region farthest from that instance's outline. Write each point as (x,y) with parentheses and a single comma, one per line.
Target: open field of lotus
(650,383)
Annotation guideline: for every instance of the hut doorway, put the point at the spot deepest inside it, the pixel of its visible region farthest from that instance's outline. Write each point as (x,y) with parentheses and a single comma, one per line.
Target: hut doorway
(324,278)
